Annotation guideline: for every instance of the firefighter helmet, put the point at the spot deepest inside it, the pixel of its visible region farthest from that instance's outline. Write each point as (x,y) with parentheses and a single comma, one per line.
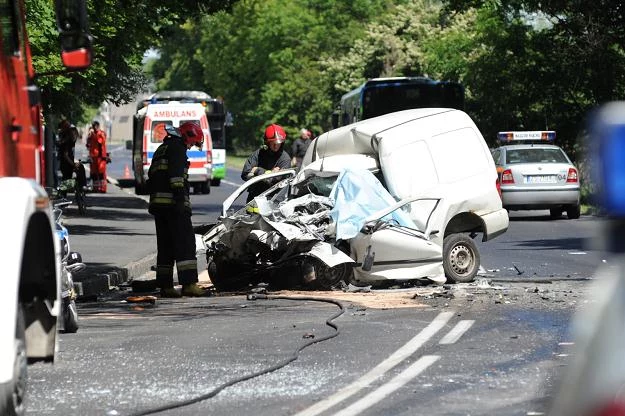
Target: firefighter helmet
(274,134)
(191,133)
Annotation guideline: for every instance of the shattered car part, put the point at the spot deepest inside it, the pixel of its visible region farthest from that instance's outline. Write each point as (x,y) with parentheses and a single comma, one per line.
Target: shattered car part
(287,237)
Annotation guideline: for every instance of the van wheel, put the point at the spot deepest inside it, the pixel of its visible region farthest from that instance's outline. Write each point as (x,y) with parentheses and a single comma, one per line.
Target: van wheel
(14,391)
(206,187)
(573,212)
(461,259)
(215,182)
(226,277)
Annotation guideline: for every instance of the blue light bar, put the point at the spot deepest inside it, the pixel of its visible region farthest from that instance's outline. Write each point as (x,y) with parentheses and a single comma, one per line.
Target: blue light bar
(608,158)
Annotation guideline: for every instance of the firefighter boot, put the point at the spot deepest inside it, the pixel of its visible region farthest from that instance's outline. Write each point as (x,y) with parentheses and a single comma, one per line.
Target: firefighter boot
(192,290)
(170,292)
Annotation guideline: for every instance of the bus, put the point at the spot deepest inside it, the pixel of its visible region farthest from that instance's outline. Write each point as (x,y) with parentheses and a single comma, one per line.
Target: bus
(380,96)
(215,113)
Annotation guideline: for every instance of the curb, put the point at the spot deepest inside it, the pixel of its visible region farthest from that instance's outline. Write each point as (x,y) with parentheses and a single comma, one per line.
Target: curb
(101,283)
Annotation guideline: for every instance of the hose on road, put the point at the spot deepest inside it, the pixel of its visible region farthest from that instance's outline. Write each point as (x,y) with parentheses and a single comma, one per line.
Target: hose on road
(252,297)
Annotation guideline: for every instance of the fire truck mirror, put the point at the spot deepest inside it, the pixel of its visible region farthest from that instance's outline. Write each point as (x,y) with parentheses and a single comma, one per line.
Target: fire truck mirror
(76,51)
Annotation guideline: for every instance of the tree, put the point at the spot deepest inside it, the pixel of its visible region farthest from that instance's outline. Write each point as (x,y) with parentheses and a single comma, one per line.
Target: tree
(122,32)
(265,58)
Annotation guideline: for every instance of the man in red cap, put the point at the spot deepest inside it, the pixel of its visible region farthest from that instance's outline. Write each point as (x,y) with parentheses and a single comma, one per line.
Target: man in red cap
(271,157)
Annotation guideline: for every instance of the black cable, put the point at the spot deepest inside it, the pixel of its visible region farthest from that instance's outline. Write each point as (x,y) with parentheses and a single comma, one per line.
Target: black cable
(293,357)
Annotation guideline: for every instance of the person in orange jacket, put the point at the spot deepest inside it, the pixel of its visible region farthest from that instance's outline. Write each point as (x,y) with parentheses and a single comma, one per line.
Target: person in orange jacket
(96,143)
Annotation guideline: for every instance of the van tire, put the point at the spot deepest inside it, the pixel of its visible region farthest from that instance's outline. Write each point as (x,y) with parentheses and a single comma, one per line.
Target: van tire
(461,258)
(206,187)
(226,277)
(215,182)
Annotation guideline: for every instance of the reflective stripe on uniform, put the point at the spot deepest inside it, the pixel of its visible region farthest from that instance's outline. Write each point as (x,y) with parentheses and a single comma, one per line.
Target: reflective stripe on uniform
(186,265)
(162,201)
(176,182)
(166,271)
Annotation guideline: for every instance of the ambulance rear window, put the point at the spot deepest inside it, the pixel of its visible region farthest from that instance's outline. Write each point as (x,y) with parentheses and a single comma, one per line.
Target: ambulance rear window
(158,130)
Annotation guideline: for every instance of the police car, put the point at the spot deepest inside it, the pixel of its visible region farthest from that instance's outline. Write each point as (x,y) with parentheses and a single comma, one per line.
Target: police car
(536,174)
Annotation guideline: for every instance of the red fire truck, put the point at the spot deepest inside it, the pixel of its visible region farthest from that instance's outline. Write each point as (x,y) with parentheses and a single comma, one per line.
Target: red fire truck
(29,248)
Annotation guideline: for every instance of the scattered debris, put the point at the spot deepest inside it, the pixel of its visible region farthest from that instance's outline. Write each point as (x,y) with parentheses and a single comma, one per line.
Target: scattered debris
(350,288)
(141,299)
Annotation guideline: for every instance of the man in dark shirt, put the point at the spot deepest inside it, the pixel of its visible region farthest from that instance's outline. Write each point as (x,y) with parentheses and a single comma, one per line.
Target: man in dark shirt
(271,157)
(68,135)
(300,145)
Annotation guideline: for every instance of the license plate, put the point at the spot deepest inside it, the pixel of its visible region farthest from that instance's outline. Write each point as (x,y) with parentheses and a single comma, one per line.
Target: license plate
(541,179)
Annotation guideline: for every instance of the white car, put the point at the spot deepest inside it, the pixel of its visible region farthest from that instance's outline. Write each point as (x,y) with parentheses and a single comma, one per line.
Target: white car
(396,197)
(536,174)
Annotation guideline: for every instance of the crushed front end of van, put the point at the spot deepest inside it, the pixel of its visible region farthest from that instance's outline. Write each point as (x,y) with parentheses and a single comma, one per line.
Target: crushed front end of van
(322,229)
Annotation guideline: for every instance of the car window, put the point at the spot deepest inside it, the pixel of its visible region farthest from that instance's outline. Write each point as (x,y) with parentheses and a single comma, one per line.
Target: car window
(535,155)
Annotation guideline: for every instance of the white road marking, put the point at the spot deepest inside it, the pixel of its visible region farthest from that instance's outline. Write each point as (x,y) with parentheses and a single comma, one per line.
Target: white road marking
(398,356)
(236,185)
(456,332)
(386,389)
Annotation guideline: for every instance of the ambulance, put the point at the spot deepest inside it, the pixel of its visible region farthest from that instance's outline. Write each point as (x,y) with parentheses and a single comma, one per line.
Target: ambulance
(149,132)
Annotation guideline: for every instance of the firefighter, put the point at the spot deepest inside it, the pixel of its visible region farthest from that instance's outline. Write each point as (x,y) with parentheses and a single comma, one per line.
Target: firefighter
(96,143)
(171,207)
(271,157)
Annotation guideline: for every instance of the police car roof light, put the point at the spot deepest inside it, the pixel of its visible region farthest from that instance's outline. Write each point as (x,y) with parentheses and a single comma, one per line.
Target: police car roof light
(608,152)
(525,136)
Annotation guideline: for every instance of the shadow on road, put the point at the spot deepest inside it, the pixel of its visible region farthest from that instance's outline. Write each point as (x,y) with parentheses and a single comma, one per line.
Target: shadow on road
(575,243)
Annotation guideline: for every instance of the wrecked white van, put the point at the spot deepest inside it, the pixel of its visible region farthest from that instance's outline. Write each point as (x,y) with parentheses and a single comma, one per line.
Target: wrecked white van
(432,153)
(397,197)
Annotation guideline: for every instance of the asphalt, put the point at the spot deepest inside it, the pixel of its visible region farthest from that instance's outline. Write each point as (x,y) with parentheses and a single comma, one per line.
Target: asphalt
(116,239)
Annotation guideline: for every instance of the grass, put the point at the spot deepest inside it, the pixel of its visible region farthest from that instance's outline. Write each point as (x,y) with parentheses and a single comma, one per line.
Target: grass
(235,161)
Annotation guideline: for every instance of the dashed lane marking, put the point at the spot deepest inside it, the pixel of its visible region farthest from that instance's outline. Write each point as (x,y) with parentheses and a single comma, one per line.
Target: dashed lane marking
(397,357)
(456,332)
(386,389)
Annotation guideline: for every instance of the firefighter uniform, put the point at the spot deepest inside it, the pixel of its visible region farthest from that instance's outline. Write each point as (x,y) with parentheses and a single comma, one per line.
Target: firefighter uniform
(171,207)
(96,142)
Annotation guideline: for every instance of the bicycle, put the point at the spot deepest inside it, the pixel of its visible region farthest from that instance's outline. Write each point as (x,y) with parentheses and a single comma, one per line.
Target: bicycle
(76,185)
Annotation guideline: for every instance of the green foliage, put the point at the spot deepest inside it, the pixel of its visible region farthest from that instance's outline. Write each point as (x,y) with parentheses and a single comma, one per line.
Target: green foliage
(265,59)
(525,64)
(122,32)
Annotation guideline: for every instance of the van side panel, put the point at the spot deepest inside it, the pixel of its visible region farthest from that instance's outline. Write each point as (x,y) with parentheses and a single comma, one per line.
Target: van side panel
(443,156)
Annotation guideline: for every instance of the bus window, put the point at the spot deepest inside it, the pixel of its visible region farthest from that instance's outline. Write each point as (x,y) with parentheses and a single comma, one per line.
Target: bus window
(386,95)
